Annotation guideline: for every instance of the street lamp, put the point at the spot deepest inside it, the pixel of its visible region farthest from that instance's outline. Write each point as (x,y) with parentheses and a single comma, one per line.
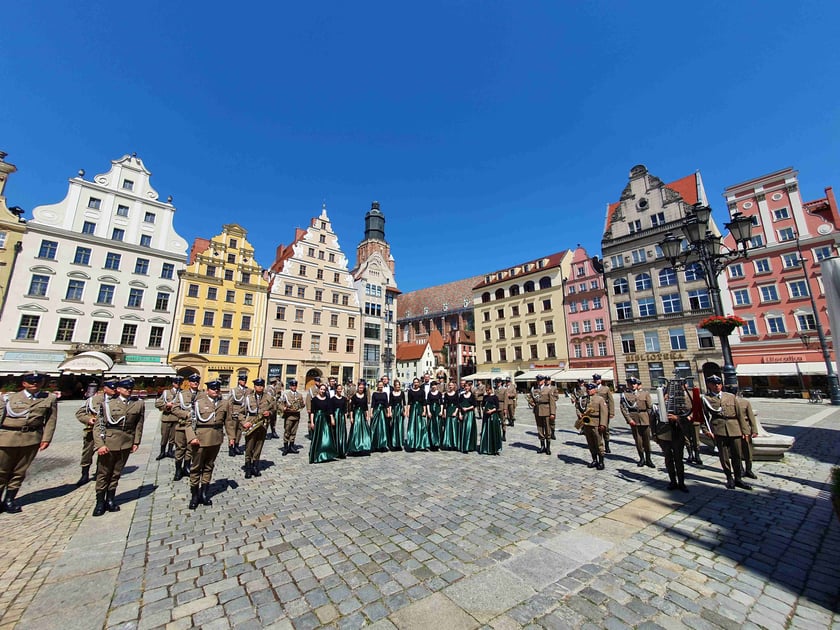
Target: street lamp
(704,248)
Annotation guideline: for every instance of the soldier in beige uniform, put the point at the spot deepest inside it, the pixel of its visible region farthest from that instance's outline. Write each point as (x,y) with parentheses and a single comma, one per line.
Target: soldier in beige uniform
(168,420)
(544,408)
(88,415)
(205,435)
(28,424)
(259,408)
(636,405)
(595,422)
(509,401)
(117,435)
(606,393)
(555,394)
(726,419)
(290,404)
(184,412)
(236,400)
(750,429)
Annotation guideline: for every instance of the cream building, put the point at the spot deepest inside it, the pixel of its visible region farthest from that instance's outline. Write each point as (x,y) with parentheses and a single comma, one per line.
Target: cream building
(313,324)
(220,321)
(12,228)
(519,319)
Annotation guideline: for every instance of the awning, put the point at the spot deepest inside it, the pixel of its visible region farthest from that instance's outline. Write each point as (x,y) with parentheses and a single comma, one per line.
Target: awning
(90,362)
(139,370)
(486,376)
(16,368)
(780,369)
(571,376)
(531,375)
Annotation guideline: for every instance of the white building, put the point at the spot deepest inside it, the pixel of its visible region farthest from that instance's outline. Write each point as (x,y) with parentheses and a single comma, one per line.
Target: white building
(94,287)
(414,360)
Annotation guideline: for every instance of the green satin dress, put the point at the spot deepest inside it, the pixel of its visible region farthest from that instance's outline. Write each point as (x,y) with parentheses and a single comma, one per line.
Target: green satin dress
(434,403)
(469,432)
(359,443)
(416,434)
(396,421)
(379,423)
(340,415)
(322,448)
(491,428)
(451,426)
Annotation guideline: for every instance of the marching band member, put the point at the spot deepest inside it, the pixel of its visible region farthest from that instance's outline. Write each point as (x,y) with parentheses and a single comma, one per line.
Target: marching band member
(184,411)
(595,418)
(168,420)
(636,405)
(670,435)
(237,404)
(726,419)
(291,403)
(258,408)
(88,415)
(205,435)
(606,393)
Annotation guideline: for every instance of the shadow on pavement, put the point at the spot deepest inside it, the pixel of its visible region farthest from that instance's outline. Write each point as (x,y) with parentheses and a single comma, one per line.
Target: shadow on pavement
(47,493)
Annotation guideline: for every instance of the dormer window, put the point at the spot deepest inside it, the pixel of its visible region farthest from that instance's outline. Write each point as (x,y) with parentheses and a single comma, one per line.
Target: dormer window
(128,184)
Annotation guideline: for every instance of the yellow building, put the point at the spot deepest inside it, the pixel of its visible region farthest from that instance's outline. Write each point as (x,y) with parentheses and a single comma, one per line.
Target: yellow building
(220,317)
(12,228)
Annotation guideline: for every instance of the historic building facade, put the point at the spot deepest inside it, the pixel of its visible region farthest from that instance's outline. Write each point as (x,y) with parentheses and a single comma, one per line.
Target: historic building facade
(314,324)
(94,287)
(220,319)
(655,309)
(414,360)
(586,305)
(778,351)
(448,310)
(520,324)
(377,291)
(12,228)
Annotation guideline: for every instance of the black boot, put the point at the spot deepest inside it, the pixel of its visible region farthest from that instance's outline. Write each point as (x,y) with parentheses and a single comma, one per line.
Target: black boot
(162,453)
(193,497)
(85,477)
(274,435)
(285,449)
(99,508)
(248,473)
(697,459)
(548,447)
(600,465)
(255,467)
(648,461)
(111,501)
(641,462)
(185,472)
(231,451)
(730,482)
(9,502)
(170,452)
(594,462)
(607,445)
(542,447)
(681,484)
(202,496)
(294,448)
(673,485)
(179,472)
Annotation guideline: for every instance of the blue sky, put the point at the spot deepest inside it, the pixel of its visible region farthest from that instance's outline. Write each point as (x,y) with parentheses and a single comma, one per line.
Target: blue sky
(490,132)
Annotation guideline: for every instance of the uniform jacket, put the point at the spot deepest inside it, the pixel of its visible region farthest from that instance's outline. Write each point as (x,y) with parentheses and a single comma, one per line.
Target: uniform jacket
(20,410)
(211,416)
(120,423)
(183,409)
(510,395)
(544,402)
(605,393)
(90,410)
(236,400)
(256,405)
(636,406)
(290,403)
(748,423)
(168,396)
(724,414)
(479,392)
(596,412)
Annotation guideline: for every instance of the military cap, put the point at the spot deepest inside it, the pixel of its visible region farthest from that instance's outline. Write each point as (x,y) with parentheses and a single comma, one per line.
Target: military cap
(714,378)
(33,377)
(540,377)
(110,383)
(178,379)
(507,379)
(596,377)
(317,379)
(634,381)
(242,377)
(214,385)
(127,383)
(259,381)
(194,378)
(292,382)
(592,386)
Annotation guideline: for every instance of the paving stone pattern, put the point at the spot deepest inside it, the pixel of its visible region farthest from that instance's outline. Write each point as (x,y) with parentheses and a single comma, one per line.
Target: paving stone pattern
(434,539)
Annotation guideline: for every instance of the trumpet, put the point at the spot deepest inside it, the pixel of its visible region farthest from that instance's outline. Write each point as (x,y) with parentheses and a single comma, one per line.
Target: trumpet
(258,424)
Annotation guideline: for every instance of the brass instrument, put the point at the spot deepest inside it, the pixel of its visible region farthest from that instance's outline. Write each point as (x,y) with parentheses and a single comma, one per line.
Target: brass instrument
(258,424)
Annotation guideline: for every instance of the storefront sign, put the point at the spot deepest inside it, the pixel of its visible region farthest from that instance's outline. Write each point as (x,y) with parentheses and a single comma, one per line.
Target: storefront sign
(654,356)
(58,357)
(142,358)
(782,359)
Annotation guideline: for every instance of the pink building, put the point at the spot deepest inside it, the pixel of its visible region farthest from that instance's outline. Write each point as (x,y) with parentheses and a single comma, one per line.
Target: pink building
(778,351)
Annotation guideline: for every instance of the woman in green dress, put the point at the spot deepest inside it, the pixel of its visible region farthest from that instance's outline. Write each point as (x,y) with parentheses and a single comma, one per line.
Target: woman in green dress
(417,434)
(451,426)
(491,428)
(396,417)
(466,414)
(321,424)
(379,420)
(340,403)
(434,403)
(359,443)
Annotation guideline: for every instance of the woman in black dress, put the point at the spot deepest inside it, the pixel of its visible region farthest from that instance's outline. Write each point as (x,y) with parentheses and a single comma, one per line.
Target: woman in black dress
(359,443)
(322,448)
(379,420)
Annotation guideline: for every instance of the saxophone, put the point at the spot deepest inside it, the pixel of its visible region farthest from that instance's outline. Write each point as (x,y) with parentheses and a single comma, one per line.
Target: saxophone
(258,423)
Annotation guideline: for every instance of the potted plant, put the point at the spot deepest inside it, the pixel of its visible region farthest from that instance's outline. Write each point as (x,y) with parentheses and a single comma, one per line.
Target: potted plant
(721,325)
(835,489)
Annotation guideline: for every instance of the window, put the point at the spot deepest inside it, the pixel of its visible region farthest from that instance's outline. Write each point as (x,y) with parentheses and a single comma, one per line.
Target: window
(162,301)
(677,337)
(694,272)
(48,249)
(372,331)
(532,329)
(228,275)
(698,299)
(821,253)
(757,241)
(741,297)
(28,327)
(299,315)
(786,234)
(319,295)
(514,311)
(156,337)
(66,327)
(549,327)
(75,290)
(546,304)
(486,316)
(280,313)
(590,349)
(184,344)
(117,234)
(192,291)
(594,284)
(634,226)
(736,271)
(167,271)
(657,219)
(135,298)
(791,261)
(502,354)
(211,271)
(806,321)
(230,296)
(533,350)
(249,299)
(224,346)
(501,332)
(573,307)
(246,278)
(584,305)
(632,369)
(141,266)
(94,203)
(616,261)
(780,213)
(638,256)
(288,290)
(530,307)
(351,322)
(302,270)
(297,341)
(602,348)
(657,373)
(769,293)
(345,300)
(112,261)
(243,348)
(209,316)
(301,292)
(596,302)
(129,334)
(587,326)
(747,330)
(705,339)
(204,345)
(332,344)
(106,294)
(231,258)
(333,320)
(227,320)
(488,355)
(517,331)
(500,313)
(277,339)
(331,258)
(651,341)
(88,227)
(798,289)
(775,324)
(621,286)
(145,240)
(149,217)
(189,316)
(529,287)
(763,265)
(98,330)
(599,324)
(671,303)
(623,310)
(643,282)
(667,277)
(350,345)
(128,184)
(38,285)
(571,290)
(550,350)
(647,307)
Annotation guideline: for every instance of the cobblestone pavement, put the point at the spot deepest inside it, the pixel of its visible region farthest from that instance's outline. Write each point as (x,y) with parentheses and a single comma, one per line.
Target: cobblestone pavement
(418,540)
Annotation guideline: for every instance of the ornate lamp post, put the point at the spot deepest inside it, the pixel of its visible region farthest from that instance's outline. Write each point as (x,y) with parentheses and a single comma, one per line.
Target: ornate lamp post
(704,248)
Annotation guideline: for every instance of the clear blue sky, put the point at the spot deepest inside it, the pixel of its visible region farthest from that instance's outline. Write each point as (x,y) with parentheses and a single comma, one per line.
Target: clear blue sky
(490,132)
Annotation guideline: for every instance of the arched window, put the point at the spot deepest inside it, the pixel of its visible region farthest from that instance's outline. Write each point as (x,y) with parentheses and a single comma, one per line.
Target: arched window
(500,294)
(694,272)
(621,286)
(545,283)
(643,282)
(667,277)
(485,297)
(529,286)
(514,290)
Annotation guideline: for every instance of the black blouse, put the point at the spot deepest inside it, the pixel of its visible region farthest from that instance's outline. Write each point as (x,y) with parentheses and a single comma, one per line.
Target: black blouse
(491,401)
(379,399)
(416,395)
(325,405)
(466,401)
(397,398)
(359,402)
(339,402)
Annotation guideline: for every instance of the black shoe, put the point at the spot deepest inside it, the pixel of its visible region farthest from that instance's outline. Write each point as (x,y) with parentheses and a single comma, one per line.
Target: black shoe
(607,447)
(231,451)
(742,485)
(682,487)
(9,502)
(673,485)
(170,452)
(730,484)
(592,464)
(548,448)
(99,508)
(179,471)
(111,501)
(274,435)
(504,438)
(85,476)
(600,465)
(698,461)
(750,474)
(193,497)
(202,496)
(240,450)
(256,468)
(285,450)
(162,454)
(248,473)
(640,463)
(648,462)
(542,447)
(187,466)
(294,448)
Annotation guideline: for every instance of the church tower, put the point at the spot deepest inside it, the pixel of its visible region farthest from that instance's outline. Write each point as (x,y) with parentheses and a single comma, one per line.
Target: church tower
(374,240)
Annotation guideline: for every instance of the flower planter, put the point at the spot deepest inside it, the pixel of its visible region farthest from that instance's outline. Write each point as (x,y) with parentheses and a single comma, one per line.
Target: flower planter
(720,330)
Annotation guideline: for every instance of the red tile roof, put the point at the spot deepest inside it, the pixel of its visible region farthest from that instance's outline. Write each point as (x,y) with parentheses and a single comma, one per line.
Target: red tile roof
(199,246)
(685,187)
(452,294)
(519,271)
(436,340)
(410,351)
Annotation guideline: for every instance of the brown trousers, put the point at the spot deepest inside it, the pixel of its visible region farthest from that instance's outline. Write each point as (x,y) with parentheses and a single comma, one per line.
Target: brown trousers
(730,455)
(87,449)
(202,464)
(181,450)
(543,427)
(254,445)
(167,434)
(109,468)
(641,436)
(594,439)
(14,462)
(290,427)
(747,454)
